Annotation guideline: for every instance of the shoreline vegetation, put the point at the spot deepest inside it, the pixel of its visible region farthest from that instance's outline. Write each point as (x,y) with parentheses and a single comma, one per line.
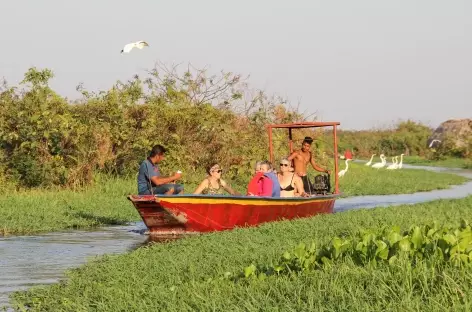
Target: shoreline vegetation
(105,203)
(48,141)
(197,273)
(449,162)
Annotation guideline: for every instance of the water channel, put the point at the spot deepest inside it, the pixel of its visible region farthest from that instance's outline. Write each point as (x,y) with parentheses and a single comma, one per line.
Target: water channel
(27,261)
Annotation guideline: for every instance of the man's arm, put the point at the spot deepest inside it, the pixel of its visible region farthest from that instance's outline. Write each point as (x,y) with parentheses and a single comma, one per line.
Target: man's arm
(292,156)
(162,180)
(316,167)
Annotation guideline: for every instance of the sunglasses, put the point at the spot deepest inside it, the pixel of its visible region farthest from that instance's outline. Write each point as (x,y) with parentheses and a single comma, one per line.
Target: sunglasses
(218,171)
(285,165)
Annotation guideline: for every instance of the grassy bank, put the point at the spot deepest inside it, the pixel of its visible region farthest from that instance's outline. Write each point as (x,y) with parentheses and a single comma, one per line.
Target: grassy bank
(363,180)
(106,203)
(188,274)
(448,162)
(44,211)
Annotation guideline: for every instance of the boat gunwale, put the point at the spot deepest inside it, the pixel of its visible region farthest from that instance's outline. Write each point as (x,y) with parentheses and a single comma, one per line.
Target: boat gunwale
(150,198)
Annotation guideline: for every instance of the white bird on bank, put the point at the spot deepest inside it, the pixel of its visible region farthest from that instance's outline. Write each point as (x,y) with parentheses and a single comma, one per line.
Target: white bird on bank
(400,165)
(343,172)
(394,164)
(138,44)
(370,161)
(380,164)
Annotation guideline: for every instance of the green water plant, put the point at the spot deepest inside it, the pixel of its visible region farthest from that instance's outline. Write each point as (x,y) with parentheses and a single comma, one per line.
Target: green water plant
(431,244)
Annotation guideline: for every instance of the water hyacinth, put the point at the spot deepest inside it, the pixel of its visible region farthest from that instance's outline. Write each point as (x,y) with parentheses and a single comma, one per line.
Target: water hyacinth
(432,244)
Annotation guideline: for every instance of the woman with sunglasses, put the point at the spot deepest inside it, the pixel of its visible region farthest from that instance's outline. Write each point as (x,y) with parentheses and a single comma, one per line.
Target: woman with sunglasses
(213,184)
(291,185)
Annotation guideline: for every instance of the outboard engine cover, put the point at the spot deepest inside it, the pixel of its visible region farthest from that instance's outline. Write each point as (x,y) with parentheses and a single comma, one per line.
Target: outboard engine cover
(322,184)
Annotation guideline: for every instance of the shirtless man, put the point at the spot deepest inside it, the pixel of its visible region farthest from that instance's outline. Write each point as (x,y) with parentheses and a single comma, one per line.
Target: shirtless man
(301,158)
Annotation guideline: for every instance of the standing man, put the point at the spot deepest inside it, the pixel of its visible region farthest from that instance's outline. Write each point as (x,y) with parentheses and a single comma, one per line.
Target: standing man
(301,158)
(150,180)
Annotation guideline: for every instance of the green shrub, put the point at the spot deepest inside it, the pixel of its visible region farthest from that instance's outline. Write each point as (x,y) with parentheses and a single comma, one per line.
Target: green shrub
(47,141)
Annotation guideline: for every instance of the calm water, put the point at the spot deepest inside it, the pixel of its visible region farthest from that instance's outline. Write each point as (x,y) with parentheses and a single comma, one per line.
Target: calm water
(27,261)
(33,260)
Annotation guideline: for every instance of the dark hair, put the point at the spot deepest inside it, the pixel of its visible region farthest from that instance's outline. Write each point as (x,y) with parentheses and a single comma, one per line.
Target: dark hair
(157,150)
(208,168)
(308,140)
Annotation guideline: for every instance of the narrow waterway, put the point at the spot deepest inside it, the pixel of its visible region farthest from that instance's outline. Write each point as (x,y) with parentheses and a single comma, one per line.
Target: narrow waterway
(27,261)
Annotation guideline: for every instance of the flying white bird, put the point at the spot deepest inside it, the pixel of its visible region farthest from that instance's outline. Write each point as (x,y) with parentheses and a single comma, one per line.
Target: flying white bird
(343,172)
(139,44)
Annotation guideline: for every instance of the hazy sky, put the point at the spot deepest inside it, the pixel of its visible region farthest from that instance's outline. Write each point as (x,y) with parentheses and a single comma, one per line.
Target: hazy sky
(364,63)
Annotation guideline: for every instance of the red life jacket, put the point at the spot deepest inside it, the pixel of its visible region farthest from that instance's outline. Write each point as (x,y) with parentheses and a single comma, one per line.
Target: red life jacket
(260,185)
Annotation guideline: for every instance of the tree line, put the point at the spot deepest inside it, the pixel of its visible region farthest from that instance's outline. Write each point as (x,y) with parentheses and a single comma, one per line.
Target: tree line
(47,140)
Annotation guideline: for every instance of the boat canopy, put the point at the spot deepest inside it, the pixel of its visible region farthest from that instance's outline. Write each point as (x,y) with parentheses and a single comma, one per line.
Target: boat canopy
(304,125)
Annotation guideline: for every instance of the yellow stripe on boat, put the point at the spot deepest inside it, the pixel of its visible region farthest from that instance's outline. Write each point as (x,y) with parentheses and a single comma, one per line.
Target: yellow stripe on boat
(242,201)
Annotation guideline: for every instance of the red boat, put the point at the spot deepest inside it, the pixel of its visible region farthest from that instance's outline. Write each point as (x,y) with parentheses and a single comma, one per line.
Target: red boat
(188,213)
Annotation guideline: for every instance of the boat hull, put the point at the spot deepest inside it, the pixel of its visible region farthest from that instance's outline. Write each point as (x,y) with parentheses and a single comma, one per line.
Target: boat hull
(181,214)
